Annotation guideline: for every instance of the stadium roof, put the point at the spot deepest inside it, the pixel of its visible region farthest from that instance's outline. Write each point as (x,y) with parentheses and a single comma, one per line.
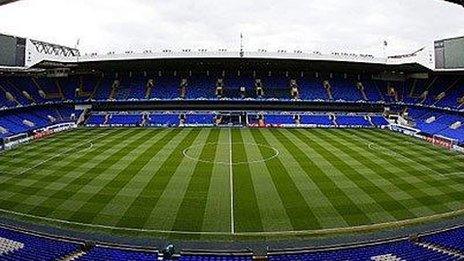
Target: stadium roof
(459,2)
(4,2)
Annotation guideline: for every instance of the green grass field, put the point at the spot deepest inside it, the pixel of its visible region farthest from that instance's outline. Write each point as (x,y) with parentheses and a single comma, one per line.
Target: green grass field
(207,182)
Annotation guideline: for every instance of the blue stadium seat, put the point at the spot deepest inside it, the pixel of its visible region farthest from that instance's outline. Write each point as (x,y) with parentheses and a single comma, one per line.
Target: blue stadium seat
(36,248)
(99,253)
(402,250)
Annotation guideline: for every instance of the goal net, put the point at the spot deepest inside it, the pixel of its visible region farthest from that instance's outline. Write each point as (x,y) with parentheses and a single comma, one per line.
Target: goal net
(443,142)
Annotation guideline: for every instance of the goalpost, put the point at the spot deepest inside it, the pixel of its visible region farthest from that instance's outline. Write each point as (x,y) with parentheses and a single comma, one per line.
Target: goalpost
(441,141)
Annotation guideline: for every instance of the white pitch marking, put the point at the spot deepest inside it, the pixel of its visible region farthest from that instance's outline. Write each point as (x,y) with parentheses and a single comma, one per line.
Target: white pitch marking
(231,179)
(56,156)
(399,223)
(276,154)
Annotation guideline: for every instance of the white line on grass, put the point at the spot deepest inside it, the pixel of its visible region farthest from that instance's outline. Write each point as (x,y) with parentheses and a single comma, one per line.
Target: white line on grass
(231,178)
(276,154)
(53,157)
(360,228)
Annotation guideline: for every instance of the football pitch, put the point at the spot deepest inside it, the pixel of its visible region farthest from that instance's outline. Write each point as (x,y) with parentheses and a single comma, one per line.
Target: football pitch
(210,182)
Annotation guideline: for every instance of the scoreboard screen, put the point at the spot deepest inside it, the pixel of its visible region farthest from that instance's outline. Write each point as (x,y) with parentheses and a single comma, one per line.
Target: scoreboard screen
(449,53)
(12,50)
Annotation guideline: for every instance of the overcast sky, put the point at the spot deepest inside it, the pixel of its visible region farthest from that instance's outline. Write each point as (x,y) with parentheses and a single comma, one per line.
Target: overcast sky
(358,26)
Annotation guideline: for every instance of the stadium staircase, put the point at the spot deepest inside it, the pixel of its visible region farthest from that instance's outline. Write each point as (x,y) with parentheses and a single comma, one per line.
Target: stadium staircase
(424,97)
(3,130)
(145,120)
(392,92)
(10,99)
(123,91)
(83,117)
(114,89)
(461,102)
(441,96)
(430,120)
(97,87)
(333,118)
(413,89)
(456,125)
(425,94)
(328,89)
(42,94)
(361,90)
(81,90)
(7,96)
(369,119)
(74,256)
(378,91)
(107,119)
(440,249)
(60,94)
(46,95)
(149,87)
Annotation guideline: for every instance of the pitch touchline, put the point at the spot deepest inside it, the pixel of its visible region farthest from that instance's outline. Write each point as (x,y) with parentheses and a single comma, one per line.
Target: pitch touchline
(360,228)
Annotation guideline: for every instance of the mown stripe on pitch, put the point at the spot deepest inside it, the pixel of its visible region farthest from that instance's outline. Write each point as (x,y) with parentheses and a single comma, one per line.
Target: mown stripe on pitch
(33,171)
(388,203)
(115,208)
(218,204)
(91,175)
(422,148)
(22,193)
(421,157)
(56,197)
(369,197)
(386,170)
(302,171)
(400,147)
(246,209)
(300,214)
(171,199)
(23,162)
(273,213)
(120,206)
(192,209)
(142,206)
(138,199)
(426,159)
(33,153)
(426,200)
(427,178)
(344,204)
(32,148)
(13,182)
(87,212)
(45,147)
(37,146)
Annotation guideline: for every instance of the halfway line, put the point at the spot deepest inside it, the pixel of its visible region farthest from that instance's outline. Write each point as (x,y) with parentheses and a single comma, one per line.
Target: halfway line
(231,180)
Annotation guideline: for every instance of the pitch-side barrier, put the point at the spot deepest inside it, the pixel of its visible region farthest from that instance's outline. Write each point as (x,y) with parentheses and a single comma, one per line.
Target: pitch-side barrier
(22,138)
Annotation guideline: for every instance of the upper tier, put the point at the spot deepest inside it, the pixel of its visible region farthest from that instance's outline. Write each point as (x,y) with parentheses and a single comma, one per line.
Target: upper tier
(439,91)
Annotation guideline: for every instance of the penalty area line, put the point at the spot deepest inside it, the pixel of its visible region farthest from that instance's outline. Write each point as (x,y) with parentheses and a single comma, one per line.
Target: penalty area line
(53,157)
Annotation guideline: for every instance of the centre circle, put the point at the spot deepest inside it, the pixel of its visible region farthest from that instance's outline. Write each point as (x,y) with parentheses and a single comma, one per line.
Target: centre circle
(224,153)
